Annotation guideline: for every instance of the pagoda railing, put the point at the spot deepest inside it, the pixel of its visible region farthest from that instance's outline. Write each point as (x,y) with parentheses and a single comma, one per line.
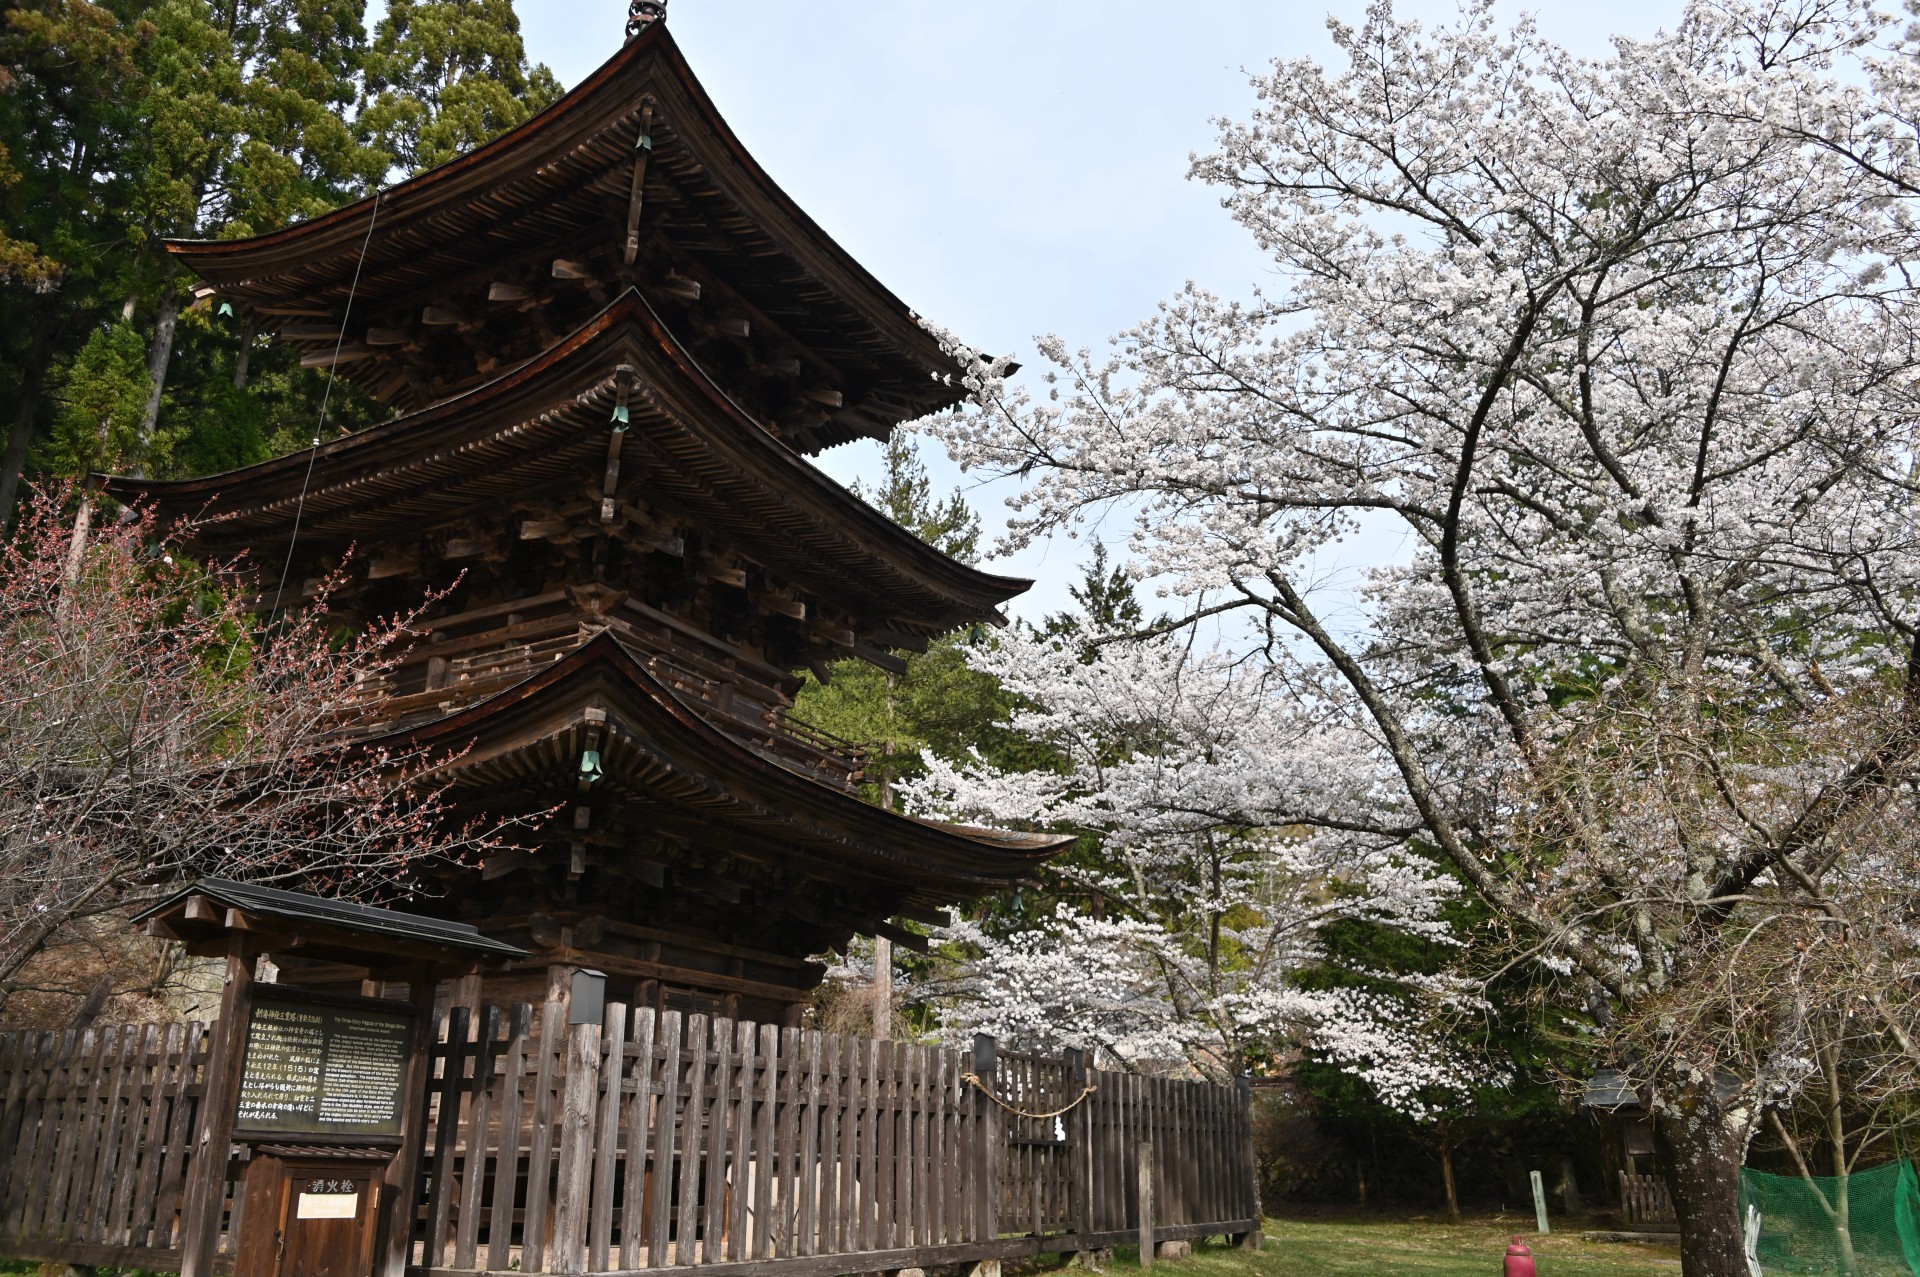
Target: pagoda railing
(738,705)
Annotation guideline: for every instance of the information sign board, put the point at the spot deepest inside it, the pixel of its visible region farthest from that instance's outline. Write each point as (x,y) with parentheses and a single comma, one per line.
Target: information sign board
(316,1068)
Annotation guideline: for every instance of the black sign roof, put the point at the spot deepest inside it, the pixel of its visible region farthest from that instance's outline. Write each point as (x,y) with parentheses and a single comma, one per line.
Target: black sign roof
(344,914)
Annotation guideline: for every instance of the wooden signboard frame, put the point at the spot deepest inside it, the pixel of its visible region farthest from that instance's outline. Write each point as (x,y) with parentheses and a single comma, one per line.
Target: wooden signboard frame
(218,1120)
(244,923)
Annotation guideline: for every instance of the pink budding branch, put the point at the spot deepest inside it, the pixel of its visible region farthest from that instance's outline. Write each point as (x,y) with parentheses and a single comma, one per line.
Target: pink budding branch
(152,730)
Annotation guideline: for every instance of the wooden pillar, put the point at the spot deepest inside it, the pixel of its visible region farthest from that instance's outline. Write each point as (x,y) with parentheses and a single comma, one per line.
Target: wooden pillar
(400,1184)
(213,1134)
(466,993)
(883,988)
(1250,1162)
(1079,1142)
(569,1253)
(1146,1204)
(992,1146)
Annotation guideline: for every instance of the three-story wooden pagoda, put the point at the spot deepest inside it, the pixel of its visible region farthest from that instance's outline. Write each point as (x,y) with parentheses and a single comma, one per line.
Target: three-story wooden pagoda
(611,344)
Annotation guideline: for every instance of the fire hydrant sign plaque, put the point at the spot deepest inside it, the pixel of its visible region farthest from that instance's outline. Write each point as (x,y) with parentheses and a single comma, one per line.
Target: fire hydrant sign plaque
(327,1206)
(312,1068)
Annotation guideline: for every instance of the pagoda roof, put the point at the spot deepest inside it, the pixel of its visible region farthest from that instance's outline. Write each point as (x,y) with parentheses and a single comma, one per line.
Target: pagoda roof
(689,450)
(654,746)
(562,178)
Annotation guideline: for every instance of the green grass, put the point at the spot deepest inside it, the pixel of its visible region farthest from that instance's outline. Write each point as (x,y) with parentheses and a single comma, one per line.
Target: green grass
(1361,1245)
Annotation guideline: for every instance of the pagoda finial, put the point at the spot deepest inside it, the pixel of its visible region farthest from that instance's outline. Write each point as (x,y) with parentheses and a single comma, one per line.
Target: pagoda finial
(642,14)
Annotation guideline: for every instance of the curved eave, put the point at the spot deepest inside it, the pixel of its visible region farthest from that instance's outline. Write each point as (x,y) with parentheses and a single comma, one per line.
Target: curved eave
(547,419)
(531,733)
(295,264)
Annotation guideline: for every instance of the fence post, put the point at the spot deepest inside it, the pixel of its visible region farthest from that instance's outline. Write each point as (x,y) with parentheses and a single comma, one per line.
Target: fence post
(1250,1162)
(992,1147)
(1146,1204)
(576,1139)
(1079,1163)
(400,1182)
(207,1171)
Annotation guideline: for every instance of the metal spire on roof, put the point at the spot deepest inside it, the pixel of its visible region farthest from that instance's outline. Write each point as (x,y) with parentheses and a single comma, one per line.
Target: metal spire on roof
(642,14)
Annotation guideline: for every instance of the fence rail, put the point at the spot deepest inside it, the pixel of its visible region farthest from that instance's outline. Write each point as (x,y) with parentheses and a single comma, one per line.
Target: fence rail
(660,1143)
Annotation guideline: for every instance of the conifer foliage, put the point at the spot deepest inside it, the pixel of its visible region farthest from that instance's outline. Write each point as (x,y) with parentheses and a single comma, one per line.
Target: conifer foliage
(124,123)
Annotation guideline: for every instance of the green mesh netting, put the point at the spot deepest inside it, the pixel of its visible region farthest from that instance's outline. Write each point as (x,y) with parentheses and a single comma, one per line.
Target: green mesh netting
(1867,1225)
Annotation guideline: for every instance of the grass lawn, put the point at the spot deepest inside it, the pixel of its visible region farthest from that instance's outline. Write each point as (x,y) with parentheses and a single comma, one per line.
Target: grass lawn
(1359,1244)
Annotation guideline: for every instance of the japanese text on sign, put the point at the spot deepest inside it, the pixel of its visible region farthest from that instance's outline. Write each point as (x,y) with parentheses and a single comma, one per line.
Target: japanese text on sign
(317,1069)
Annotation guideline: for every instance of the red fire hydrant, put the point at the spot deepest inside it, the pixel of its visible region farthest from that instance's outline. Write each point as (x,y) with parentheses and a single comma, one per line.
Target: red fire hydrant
(1519,1261)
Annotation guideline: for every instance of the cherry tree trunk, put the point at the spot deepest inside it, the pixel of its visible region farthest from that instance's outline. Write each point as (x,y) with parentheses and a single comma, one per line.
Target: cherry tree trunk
(1701,1147)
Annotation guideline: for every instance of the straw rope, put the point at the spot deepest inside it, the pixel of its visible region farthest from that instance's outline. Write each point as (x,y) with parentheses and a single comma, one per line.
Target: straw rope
(973,1080)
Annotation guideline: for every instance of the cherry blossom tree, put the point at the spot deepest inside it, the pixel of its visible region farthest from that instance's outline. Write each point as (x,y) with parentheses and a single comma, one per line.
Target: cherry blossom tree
(152,732)
(1625,352)
(1221,850)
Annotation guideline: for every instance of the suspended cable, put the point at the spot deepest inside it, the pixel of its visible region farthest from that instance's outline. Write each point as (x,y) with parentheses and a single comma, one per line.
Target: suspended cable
(326,398)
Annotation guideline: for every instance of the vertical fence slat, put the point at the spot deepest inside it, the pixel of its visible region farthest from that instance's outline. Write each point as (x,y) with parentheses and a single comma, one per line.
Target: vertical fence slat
(836,1136)
(923,1188)
(466,1241)
(606,1136)
(506,1173)
(453,1057)
(57,1138)
(639,1142)
(815,1133)
(169,1172)
(877,1172)
(839,1227)
(690,1132)
(548,1049)
(672,1025)
(713,1219)
(22,1049)
(775,1136)
(741,1182)
(784,1229)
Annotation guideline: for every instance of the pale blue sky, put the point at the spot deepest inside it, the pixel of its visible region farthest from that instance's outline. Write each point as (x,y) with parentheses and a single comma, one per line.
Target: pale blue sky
(1008,168)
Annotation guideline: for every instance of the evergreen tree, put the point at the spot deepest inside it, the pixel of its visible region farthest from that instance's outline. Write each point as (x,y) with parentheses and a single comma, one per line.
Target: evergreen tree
(70,89)
(939,703)
(446,75)
(125,122)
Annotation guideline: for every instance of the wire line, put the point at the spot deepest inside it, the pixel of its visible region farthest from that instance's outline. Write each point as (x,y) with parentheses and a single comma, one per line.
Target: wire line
(326,397)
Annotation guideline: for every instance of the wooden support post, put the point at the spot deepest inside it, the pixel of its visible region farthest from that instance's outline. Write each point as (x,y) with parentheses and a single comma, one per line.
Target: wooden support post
(400,1183)
(1079,1161)
(1250,1162)
(992,1146)
(883,988)
(571,1201)
(213,1136)
(1146,1205)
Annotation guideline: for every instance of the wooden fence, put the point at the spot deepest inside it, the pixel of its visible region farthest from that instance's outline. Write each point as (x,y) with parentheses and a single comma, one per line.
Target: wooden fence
(660,1143)
(1646,1203)
(96,1130)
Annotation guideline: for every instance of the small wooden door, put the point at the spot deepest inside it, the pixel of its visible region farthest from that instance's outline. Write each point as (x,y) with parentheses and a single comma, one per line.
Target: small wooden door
(309,1217)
